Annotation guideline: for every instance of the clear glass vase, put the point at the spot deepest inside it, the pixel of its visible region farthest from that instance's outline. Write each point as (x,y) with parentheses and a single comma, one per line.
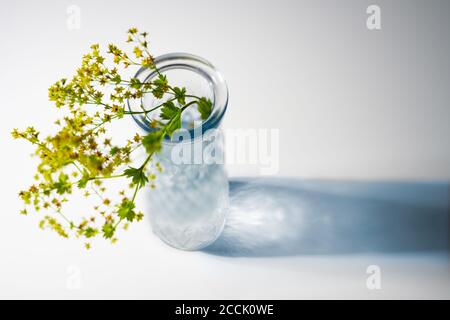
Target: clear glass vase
(188,206)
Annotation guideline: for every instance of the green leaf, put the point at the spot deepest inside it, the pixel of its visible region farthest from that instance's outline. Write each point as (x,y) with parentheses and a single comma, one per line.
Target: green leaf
(63,185)
(172,113)
(152,141)
(120,113)
(161,86)
(84,180)
(90,232)
(135,83)
(180,94)
(169,110)
(114,150)
(174,124)
(161,80)
(137,175)
(126,210)
(116,79)
(108,230)
(204,107)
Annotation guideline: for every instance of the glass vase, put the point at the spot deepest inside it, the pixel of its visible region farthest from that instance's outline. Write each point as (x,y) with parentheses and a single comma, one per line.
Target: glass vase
(189,202)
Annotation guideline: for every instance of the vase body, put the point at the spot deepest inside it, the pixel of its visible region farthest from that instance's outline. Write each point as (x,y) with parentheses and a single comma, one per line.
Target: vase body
(188,205)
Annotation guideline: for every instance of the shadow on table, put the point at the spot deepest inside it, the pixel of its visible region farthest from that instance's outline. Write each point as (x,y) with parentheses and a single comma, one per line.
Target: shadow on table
(284,217)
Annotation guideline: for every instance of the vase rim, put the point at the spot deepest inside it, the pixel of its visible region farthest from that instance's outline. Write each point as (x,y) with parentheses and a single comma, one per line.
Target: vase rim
(194,63)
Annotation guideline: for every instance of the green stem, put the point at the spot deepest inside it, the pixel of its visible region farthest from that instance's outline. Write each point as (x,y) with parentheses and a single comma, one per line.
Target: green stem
(104,122)
(187,105)
(148,111)
(58,211)
(77,167)
(135,193)
(142,167)
(107,177)
(186,95)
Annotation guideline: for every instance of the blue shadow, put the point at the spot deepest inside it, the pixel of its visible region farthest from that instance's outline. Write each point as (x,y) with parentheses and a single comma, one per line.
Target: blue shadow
(286,217)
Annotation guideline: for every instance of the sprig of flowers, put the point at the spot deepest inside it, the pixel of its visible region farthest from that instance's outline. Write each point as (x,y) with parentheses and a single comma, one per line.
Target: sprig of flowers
(81,155)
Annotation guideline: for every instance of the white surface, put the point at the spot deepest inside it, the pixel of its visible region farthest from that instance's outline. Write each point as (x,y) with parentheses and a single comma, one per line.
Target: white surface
(349,103)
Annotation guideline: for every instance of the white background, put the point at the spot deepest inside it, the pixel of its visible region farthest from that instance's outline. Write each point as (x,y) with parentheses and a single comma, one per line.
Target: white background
(350,104)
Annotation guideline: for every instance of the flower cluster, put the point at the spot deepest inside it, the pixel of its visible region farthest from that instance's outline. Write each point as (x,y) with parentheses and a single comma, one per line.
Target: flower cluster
(82,156)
